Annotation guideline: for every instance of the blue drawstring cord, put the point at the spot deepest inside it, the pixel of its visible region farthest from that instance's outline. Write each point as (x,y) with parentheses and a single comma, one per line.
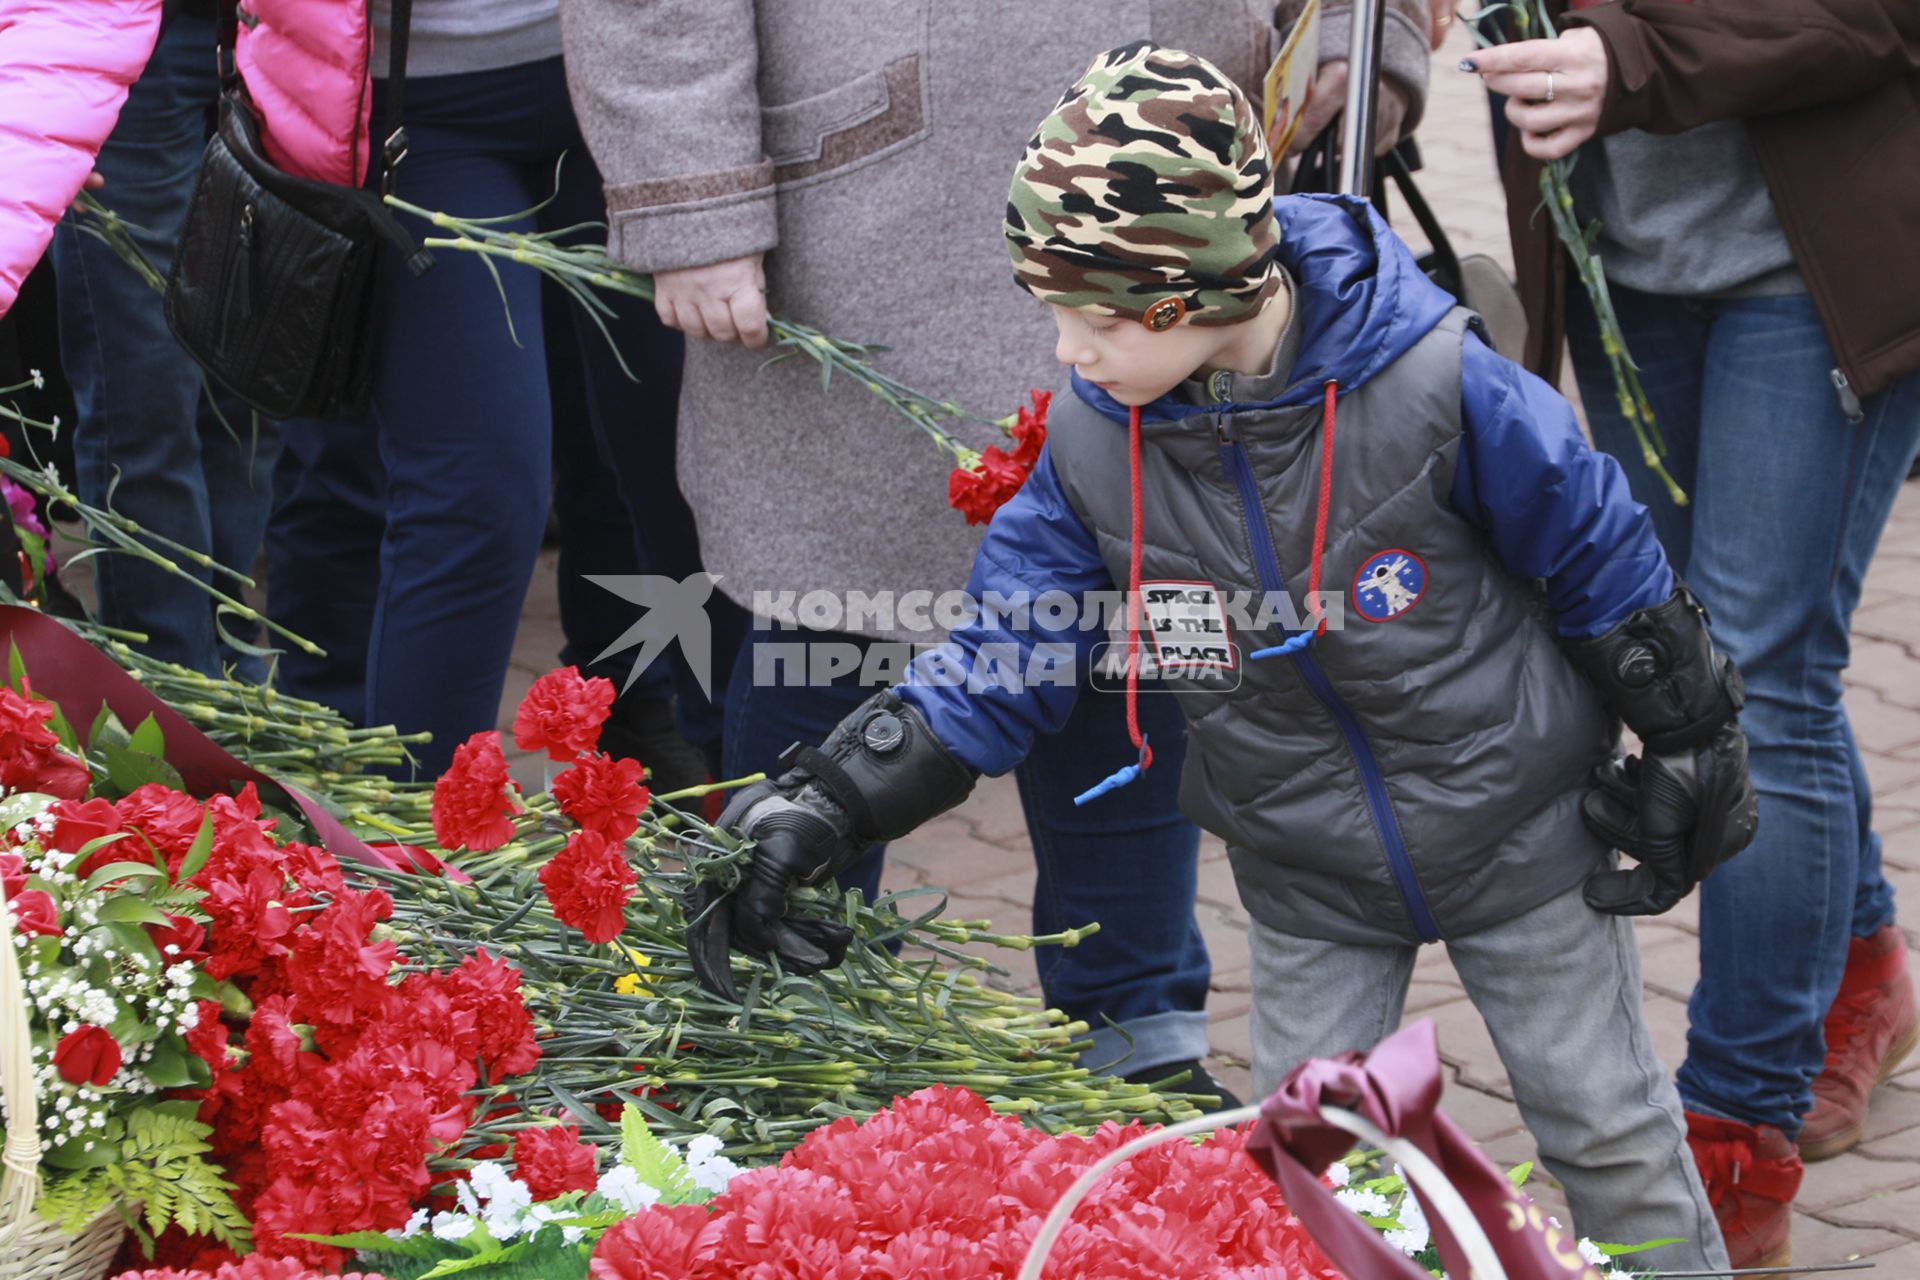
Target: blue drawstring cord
(1292,644)
(1114,781)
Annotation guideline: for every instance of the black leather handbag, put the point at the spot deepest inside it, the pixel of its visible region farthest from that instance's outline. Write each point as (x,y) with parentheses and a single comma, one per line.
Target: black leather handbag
(1477,281)
(271,288)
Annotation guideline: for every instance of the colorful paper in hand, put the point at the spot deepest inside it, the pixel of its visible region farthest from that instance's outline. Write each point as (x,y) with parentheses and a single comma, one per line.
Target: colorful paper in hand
(1289,81)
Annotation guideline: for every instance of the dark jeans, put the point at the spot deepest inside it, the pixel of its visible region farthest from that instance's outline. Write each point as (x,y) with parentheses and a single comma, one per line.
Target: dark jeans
(406,540)
(147,433)
(1788,503)
(1129,861)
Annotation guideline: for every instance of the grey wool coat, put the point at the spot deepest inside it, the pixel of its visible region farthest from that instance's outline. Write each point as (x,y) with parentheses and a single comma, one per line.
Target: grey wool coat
(866,146)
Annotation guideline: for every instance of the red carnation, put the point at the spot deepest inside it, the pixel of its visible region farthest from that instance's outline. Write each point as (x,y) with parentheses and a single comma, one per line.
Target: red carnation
(249,921)
(34,912)
(88,1056)
(473,803)
(1030,430)
(187,936)
(603,795)
(659,1243)
(337,972)
(589,883)
(562,713)
(977,492)
(489,989)
(167,817)
(553,1161)
(30,755)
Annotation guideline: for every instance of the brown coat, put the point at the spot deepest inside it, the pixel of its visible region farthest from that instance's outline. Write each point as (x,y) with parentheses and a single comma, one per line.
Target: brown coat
(1830,91)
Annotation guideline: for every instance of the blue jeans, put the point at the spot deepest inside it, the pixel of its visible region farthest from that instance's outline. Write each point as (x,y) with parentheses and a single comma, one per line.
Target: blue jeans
(1129,861)
(404,542)
(1788,502)
(147,432)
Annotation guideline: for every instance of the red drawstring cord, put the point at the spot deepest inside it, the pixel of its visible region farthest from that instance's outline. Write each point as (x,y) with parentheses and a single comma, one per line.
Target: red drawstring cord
(1133,594)
(1121,777)
(1320,509)
(1293,643)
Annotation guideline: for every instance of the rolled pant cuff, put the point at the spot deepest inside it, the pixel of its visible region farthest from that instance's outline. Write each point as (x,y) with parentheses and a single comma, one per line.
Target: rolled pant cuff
(1177,1035)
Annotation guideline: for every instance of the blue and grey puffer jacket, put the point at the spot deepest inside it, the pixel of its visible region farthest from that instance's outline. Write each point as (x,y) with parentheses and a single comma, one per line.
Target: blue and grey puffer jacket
(1416,772)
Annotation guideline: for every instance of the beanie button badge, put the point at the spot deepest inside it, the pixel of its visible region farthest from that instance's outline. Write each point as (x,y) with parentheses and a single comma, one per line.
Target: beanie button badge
(1164,314)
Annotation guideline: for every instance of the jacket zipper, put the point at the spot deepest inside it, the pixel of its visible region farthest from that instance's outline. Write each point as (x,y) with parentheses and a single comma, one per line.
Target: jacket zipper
(1267,563)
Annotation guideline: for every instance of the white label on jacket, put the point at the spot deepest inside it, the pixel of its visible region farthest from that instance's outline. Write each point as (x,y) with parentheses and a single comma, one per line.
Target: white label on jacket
(1188,623)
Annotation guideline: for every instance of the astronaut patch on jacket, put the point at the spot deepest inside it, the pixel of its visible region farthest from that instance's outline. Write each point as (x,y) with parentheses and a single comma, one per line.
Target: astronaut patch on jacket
(1388,583)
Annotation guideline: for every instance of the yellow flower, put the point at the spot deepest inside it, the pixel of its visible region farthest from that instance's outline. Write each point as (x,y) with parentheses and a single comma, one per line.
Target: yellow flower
(633,984)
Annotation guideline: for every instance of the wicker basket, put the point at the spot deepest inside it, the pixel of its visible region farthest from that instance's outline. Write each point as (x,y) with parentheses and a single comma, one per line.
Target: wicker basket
(31,1248)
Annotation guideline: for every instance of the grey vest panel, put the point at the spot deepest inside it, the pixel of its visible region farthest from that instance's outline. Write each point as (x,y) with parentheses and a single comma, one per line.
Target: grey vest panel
(1483,731)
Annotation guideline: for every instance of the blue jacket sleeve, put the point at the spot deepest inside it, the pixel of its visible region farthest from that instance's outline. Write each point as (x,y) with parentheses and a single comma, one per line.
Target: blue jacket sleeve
(1008,675)
(1554,507)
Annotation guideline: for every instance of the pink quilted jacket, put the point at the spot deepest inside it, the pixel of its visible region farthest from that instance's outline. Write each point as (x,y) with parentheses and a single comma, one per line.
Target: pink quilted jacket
(65,66)
(64,70)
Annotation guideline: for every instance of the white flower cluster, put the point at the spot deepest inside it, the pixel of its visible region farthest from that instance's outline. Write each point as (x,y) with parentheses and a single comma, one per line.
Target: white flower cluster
(1411,1234)
(504,1205)
(710,1170)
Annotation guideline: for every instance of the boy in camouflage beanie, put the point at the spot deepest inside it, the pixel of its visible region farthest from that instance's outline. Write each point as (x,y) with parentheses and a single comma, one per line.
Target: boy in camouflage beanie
(1444,768)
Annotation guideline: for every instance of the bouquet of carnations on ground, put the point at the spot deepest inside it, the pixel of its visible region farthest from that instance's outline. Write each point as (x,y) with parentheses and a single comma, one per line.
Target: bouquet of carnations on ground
(226,1044)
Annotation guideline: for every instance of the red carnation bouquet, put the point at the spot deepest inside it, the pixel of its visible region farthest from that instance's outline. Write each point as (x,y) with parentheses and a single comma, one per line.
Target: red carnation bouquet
(983,482)
(226,1040)
(938,1184)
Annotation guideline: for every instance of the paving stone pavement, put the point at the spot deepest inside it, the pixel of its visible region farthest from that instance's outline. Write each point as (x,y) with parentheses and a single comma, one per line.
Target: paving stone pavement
(1865,1203)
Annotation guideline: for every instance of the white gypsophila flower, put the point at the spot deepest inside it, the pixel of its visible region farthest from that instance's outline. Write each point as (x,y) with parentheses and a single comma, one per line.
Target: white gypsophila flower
(179,975)
(541,1214)
(39,379)
(413,1226)
(1590,1251)
(709,1170)
(507,1207)
(623,1187)
(1413,1234)
(487,1178)
(1365,1202)
(448,1225)
(1338,1174)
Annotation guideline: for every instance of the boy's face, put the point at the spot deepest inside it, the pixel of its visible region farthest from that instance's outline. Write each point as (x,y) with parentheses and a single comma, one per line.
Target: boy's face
(1129,361)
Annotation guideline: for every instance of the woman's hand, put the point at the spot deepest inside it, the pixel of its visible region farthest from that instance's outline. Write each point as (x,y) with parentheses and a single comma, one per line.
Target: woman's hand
(1554,88)
(1330,98)
(721,302)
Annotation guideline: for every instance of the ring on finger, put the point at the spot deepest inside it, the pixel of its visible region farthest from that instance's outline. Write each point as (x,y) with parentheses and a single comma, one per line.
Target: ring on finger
(1548,96)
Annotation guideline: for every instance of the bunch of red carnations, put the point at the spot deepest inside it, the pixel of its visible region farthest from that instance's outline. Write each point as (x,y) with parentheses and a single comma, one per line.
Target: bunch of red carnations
(329,1078)
(940,1185)
(982,483)
(589,881)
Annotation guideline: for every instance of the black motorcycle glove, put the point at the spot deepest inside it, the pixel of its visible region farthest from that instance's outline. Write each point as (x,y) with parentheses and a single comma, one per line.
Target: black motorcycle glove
(879,774)
(1686,805)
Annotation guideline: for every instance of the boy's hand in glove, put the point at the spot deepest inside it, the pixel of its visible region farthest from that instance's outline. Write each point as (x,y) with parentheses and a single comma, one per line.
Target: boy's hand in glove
(880,774)
(1678,816)
(1686,805)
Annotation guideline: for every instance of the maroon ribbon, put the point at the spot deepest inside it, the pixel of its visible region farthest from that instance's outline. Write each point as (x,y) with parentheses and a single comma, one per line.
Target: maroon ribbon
(79,679)
(1397,1087)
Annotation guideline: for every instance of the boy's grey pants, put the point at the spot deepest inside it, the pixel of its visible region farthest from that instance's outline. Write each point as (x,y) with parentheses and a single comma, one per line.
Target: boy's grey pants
(1559,988)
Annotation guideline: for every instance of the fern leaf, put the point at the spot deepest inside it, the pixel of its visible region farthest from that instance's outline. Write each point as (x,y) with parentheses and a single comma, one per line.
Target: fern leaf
(653,1161)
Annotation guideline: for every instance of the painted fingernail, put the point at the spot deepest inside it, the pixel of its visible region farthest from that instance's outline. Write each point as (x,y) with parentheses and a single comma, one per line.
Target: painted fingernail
(1468,64)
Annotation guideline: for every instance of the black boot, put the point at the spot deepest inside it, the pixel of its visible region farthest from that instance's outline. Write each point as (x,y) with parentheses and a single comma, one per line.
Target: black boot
(643,729)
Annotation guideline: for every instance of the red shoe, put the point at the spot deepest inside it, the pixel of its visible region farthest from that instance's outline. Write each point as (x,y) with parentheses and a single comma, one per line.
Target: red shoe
(1871,1028)
(1752,1173)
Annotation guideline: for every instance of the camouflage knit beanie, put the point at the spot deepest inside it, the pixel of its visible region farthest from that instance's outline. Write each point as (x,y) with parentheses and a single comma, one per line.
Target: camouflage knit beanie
(1147,194)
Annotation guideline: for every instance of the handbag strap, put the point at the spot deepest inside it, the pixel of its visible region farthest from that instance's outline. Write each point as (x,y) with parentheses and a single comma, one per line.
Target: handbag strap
(393,148)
